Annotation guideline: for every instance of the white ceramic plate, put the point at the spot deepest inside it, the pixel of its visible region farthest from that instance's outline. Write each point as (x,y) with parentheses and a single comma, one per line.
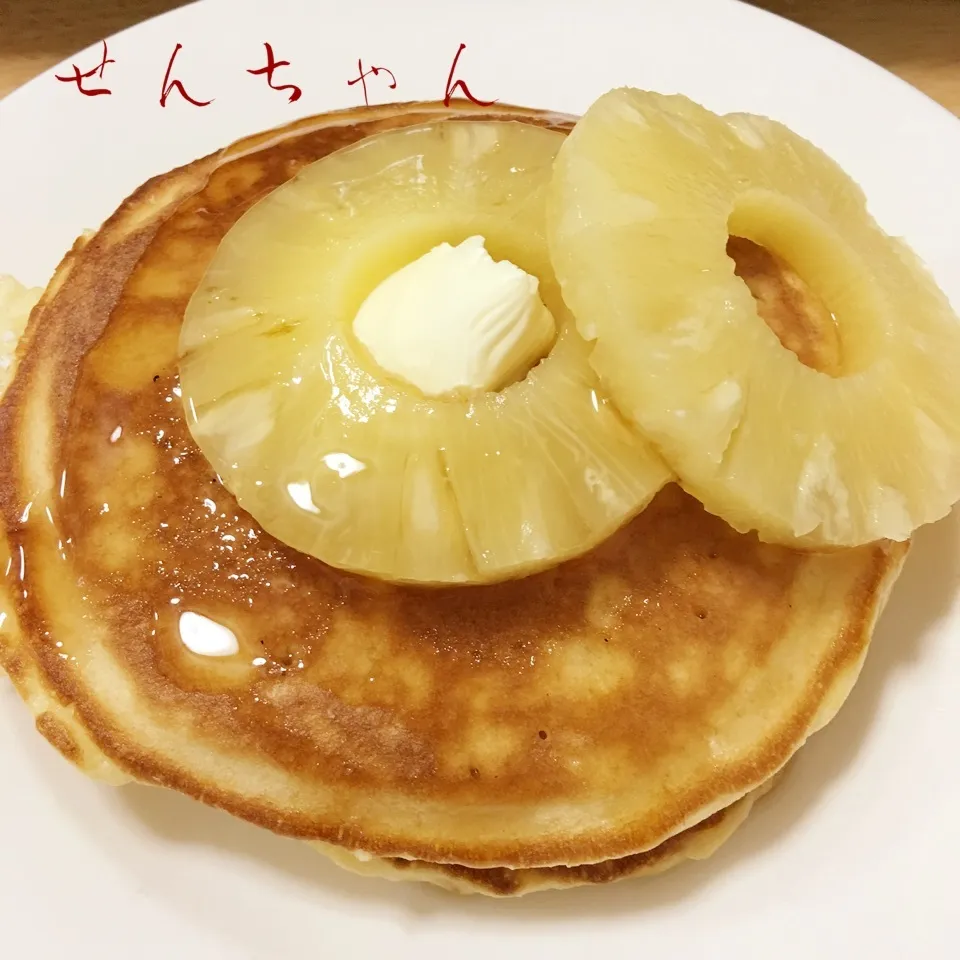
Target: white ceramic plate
(852,856)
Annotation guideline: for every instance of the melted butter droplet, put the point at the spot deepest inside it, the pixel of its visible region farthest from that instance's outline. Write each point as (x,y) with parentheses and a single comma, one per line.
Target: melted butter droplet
(206,637)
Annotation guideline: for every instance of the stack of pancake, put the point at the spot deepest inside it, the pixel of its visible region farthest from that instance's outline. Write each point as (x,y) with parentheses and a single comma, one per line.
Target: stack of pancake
(606,718)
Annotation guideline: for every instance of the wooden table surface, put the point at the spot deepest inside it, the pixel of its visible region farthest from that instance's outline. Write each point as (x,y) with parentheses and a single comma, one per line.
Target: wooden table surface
(917,39)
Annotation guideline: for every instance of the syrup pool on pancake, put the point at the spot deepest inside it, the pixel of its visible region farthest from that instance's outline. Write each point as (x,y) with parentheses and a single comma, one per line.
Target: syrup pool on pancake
(380,367)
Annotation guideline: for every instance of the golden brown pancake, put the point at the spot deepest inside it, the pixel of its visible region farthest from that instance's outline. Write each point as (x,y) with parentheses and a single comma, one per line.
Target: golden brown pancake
(585,714)
(695,843)
(61,727)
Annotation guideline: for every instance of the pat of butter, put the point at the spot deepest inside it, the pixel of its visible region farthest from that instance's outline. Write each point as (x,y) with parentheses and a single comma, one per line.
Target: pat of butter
(456,319)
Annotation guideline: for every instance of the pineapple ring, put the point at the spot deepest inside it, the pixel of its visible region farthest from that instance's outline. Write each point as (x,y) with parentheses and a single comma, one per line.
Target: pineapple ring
(340,460)
(647,191)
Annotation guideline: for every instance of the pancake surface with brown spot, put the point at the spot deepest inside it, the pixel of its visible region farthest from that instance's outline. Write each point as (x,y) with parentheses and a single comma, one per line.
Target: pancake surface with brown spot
(587,713)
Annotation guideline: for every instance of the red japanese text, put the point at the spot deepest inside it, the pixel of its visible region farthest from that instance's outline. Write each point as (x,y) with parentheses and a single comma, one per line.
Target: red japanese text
(79,77)
(273,64)
(453,85)
(372,72)
(170,85)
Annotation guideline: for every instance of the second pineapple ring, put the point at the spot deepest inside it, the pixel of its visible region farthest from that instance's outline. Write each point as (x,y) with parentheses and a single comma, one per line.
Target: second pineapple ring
(338,458)
(862,445)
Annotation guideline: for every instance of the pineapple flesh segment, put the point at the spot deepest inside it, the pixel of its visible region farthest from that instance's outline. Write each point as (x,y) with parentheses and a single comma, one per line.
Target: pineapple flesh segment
(842,429)
(343,461)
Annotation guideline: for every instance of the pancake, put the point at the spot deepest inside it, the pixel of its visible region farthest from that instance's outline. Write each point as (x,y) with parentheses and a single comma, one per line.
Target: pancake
(590,713)
(695,843)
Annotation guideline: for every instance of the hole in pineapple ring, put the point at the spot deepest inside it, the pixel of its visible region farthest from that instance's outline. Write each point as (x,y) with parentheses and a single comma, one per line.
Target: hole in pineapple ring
(390,250)
(811,289)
